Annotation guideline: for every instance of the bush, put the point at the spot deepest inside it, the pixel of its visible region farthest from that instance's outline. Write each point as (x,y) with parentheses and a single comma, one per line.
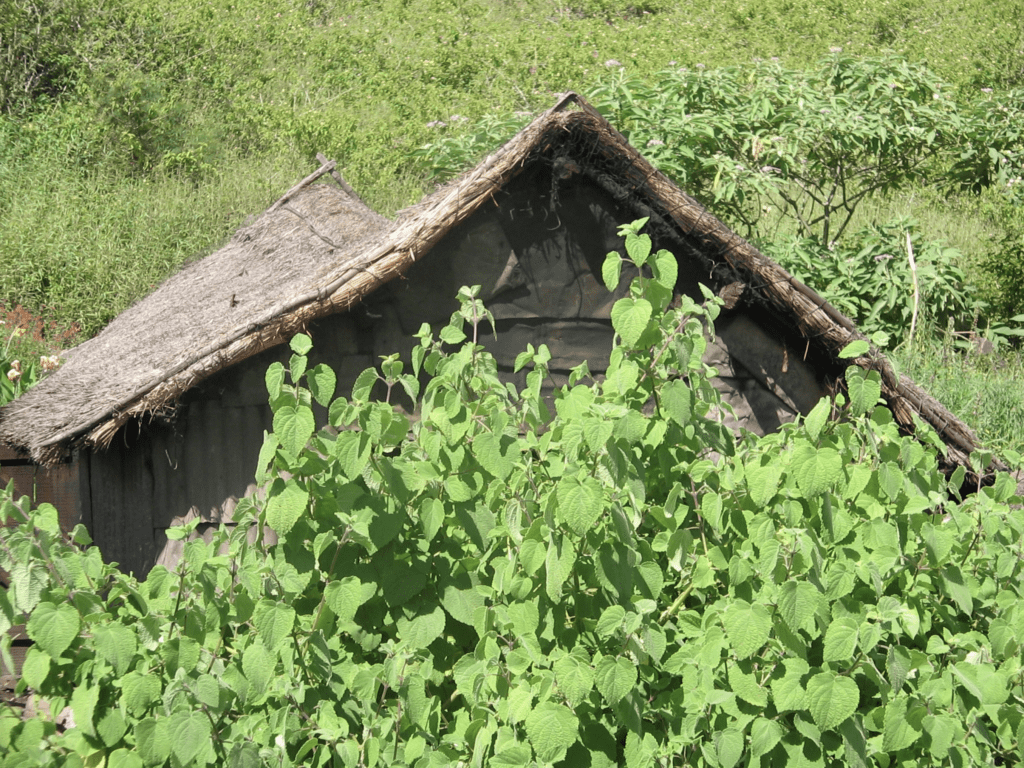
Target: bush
(762,141)
(869,279)
(617,582)
(38,49)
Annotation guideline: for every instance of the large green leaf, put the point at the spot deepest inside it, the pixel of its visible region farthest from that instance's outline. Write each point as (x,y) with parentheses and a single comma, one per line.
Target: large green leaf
(638,246)
(258,666)
(111,728)
(666,269)
(558,566)
(597,431)
(344,596)
(83,705)
(899,731)
(897,665)
(138,691)
(301,344)
(322,383)
(610,621)
(747,627)
(274,621)
(423,628)
(53,627)
(275,380)
(514,756)
(580,503)
(487,448)
(461,599)
(729,746)
(955,586)
(153,740)
(352,449)
(615,677)
(574,677)
(677,401)
(611,270)
(286,506)
(552,729)
(942,730)
(816,469)
(864,387)
(815,421)
(116,643)
(189,732)
(798,602)
(763,482)
(841,639)
(745,684)
(123,758)
(630,318)
(35,667)
(831,698)
(764,735)
(855,742)
(294,425)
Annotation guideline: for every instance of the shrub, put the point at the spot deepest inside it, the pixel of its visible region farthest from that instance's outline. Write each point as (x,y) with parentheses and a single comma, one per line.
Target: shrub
(37,49)
(869,279)
(617,582)
(762,140)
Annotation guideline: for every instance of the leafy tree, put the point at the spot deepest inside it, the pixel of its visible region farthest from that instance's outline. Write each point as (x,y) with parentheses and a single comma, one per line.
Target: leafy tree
(615,581)
(811,145)
(763,141)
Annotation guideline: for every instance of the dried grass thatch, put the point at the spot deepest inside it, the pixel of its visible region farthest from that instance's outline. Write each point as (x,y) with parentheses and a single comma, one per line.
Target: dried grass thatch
(320,250)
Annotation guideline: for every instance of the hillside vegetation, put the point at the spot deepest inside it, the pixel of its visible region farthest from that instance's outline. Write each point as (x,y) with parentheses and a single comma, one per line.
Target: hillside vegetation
(134,136)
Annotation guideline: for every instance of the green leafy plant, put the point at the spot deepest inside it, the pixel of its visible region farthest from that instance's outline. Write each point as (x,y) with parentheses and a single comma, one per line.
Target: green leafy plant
(869,278)
(763,141)
(37,50)
(992,154)
(608,578)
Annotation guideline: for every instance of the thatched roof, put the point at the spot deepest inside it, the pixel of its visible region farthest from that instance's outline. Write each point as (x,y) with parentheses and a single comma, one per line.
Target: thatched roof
(320,250)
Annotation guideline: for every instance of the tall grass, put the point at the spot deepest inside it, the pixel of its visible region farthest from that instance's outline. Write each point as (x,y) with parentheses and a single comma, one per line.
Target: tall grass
(985,391)
(87,246)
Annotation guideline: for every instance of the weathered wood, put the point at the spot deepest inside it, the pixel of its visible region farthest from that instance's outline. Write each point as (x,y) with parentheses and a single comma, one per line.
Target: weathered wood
(325,168)
(345,186)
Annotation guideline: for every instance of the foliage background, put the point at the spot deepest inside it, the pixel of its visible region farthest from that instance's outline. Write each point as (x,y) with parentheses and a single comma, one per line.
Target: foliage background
(135,136)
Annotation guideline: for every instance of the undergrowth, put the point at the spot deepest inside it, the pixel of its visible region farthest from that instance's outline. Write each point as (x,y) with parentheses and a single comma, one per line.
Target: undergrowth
(619,581)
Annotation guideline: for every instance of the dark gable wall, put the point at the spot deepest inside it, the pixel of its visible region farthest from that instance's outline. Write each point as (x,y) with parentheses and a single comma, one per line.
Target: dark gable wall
(537,255)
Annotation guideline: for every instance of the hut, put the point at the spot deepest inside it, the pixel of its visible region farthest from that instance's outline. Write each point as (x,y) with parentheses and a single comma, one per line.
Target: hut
(164,411)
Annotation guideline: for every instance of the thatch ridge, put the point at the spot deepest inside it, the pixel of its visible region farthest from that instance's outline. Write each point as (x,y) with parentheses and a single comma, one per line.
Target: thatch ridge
(320,250)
